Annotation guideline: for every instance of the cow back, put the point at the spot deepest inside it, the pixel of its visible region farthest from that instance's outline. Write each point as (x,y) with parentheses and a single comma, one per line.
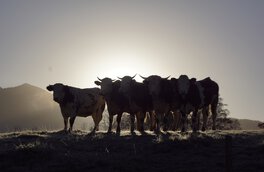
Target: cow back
(210,90)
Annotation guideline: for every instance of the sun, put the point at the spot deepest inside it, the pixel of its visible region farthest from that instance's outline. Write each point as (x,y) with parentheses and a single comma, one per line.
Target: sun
(123,63)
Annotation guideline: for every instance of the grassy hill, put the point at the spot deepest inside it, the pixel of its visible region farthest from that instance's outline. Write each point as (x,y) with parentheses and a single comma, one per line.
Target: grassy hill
(172,151)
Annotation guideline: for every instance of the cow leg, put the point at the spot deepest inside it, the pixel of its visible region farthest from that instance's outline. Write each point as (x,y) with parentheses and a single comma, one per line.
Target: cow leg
(194,120)
(198,120)
(166,121)
(176,120)
(71,122)
(143,116)
(179,119)
(110,123)
(118,120)
(97,117)
(172,121)
(214,112)
(132,123)
(183,121)
(158,120)
(65,119)
(152,121)
(147,120)
(205,117)
(96,124)
(140,121)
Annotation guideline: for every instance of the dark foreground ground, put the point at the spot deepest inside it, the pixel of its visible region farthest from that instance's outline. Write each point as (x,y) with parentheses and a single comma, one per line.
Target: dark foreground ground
(172,151)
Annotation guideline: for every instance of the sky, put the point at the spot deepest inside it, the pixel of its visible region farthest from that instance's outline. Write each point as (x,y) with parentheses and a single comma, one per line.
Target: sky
(74,42)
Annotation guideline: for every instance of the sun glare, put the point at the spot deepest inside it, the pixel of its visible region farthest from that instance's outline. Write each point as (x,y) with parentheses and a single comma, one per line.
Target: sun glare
(122,64)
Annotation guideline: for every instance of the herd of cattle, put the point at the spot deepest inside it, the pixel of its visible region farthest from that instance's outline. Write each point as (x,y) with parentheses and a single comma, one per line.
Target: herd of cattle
(155,97)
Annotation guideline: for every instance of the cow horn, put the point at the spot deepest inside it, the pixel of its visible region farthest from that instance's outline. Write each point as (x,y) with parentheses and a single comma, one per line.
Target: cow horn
(134,76)
(99,79)
(143,77)
(167,77)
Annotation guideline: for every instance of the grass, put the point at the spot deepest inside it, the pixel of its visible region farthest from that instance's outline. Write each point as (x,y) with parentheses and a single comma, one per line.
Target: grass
(171,151)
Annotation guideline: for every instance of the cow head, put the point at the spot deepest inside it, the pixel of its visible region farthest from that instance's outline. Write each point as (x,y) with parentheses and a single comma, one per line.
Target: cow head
(183,85)
(174,84)
(126,82)
(106,85)
(58,92)
(153,83)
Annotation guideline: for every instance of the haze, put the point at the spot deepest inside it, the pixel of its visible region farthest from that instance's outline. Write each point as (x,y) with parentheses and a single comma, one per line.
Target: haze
(73,42)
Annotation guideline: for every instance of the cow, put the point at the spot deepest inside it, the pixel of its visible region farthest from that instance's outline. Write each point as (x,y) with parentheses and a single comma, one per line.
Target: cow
(189,98)
(78,102)
(140,101)
(165,104)
(116,102)
(210,92)
(196,95)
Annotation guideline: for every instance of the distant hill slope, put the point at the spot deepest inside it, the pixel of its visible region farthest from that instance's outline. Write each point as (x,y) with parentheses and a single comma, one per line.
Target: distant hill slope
(24,100)
(247,124)
(29,107)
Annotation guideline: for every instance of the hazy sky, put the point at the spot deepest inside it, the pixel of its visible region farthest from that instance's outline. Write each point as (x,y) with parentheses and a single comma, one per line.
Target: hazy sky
(73,42)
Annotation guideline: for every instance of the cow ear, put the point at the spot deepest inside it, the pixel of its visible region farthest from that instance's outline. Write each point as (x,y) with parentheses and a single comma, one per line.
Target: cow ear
(97,83)
(50,87)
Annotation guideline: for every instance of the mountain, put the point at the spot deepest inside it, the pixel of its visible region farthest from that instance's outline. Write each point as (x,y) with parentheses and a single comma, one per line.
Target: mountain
(29,107)
(24,100)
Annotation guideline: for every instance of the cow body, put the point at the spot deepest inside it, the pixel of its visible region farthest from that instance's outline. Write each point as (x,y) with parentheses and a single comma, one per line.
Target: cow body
(78,102)
(210,90)
(140,101)
(165,103)
(195,95)
(117,103)
(190,98)
(176,104)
